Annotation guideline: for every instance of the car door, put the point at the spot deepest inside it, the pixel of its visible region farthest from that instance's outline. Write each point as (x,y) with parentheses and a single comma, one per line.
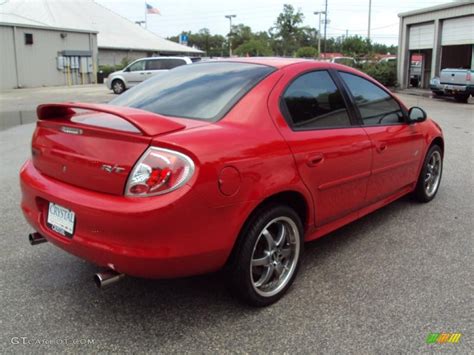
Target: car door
(135,73)
(397,145)
(332,155)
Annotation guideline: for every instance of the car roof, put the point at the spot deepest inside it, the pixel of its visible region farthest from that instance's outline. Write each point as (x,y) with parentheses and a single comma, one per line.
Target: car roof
(270,61)
(280,63)
(162,57)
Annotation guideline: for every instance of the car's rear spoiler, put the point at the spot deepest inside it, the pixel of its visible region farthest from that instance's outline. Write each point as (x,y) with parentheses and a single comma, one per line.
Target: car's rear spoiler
(150,124)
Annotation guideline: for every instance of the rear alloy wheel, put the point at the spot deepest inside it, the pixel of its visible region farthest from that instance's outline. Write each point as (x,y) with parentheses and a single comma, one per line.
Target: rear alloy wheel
(118,86)
(267,260)
(430,176)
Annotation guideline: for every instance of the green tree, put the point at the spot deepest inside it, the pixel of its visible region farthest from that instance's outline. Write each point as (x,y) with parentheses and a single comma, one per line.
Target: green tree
(241,34)
(307,52)
(286,32)
(307,36)
(254,47)
(355,46)
(204,40)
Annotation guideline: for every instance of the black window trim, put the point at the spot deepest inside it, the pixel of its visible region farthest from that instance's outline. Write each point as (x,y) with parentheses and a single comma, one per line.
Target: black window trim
(353,120)
(354,104)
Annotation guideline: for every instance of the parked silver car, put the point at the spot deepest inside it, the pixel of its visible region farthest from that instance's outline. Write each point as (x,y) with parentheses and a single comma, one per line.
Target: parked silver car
(454,82)
(142,69)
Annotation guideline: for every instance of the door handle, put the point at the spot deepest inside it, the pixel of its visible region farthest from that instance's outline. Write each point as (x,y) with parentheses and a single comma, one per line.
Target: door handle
(314,159)
(142,73)
(148,72)
(381,147)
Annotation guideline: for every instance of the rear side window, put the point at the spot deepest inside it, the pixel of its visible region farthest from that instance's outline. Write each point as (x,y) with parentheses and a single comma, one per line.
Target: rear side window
(172,63)
(375,105)
(154,64)
(313,101)
(203,91)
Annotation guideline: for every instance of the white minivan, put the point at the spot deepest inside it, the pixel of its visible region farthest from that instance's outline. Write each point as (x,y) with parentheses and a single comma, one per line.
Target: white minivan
(142,69)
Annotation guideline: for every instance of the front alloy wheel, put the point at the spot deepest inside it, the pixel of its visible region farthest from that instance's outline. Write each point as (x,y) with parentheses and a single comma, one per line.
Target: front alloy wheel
(118,86)
(267,257)
(430,176)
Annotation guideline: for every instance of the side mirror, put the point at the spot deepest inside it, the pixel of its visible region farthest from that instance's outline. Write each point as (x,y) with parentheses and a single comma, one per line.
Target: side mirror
(416,114)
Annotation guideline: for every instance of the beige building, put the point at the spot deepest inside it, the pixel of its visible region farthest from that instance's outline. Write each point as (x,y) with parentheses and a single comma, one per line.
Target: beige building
(64,35)
(434,38)
(33,55)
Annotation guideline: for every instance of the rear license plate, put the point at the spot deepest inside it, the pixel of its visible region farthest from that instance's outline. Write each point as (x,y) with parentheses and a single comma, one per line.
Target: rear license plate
(61,220)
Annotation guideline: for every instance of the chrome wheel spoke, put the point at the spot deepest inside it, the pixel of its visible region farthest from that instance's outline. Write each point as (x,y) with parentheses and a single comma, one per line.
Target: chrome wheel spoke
(279,268)
(285,253)
(266,276)
(269,238)
(263,261)
(281,238)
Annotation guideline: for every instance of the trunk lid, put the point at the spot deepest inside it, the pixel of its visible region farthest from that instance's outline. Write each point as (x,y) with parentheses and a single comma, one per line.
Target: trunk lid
(95,146)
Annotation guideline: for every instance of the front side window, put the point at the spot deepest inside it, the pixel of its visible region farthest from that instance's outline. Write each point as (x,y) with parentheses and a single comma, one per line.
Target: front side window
(203,91)
(314,101)
(137,66)
(375,105)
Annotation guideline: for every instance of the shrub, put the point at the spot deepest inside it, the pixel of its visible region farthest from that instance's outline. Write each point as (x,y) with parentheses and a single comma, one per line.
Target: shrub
(107,69)
(254,47)
(307,52)
(385,72)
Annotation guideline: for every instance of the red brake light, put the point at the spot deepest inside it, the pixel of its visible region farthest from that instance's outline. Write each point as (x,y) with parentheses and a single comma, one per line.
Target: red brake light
(468,76)
(158,172)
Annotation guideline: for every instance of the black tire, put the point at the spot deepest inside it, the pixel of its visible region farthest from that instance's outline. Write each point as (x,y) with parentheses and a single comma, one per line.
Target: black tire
(249,245)
(118,86)
(438,93)
(461,98)
(422,191)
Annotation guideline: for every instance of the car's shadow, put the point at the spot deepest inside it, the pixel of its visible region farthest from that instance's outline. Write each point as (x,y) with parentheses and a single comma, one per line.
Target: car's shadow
(210,291)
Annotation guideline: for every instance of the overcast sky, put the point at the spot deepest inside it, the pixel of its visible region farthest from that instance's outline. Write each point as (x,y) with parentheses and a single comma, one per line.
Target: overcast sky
(351,15)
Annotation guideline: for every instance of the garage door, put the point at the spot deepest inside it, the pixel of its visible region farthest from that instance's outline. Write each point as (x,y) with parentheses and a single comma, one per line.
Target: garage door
(421,36)
(458,31)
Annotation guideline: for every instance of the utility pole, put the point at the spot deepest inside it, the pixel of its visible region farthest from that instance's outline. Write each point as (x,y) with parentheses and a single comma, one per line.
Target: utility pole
(230,32)
(370,15)
(319,13)
(325,23)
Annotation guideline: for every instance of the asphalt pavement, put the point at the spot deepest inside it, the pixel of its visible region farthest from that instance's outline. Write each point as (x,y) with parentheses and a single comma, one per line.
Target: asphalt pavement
(377,286)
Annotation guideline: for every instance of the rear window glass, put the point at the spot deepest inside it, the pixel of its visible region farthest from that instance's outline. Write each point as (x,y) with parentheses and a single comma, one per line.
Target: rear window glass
(204,91)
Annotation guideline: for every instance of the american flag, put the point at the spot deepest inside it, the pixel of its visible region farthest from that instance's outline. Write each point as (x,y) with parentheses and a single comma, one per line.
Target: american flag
(152,10)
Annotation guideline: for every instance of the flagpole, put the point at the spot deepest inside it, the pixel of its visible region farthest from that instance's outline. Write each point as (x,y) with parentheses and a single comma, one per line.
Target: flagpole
(146,19)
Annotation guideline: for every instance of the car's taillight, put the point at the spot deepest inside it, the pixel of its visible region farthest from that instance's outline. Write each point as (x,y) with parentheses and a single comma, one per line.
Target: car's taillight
(158,172)
(468,76)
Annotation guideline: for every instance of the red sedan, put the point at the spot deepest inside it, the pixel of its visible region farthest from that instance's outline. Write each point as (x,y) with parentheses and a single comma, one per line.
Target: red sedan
(226,164)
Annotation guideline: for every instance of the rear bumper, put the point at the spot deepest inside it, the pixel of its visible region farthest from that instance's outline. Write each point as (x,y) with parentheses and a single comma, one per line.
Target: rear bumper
(457,89)
(166,236)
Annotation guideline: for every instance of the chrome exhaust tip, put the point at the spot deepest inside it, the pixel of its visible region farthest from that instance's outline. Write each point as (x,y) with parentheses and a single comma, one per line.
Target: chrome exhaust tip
(107,278)
(36,238)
